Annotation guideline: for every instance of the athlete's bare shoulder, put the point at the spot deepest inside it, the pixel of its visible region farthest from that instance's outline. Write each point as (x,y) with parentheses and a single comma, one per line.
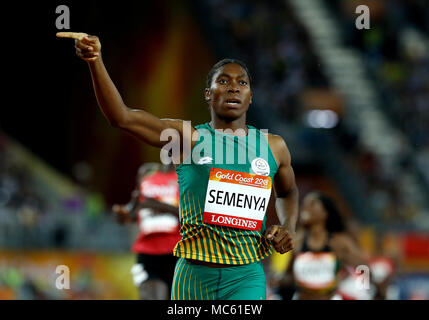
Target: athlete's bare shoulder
(276,141)
(279,148)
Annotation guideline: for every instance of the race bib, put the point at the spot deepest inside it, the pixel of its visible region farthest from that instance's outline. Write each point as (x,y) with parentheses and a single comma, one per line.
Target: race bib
(236,199)
(315,270)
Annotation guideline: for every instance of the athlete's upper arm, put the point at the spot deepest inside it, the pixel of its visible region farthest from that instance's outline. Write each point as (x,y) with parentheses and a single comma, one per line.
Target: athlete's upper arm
(152,129)
(284,180)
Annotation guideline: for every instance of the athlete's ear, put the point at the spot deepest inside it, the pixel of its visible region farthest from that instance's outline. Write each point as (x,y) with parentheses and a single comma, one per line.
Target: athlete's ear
(207,94)
(251,95)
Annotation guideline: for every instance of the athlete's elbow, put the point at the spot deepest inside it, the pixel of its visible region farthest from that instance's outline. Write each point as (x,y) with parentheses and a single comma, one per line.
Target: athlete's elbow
(117,123)
(291,192)
(120,121)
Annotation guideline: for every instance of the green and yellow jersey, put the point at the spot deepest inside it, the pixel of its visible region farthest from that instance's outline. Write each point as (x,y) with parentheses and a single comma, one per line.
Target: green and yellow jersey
(224,189)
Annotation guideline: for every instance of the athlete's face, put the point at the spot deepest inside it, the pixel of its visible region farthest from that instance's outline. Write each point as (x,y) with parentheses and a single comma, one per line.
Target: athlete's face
(229,94)
(312,211)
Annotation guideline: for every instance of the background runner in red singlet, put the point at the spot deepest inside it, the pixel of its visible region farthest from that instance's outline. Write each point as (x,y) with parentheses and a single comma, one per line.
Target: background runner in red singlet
(154,206)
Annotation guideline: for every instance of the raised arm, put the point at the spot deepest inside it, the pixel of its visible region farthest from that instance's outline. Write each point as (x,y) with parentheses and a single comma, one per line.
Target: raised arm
(139,123)
(287,197)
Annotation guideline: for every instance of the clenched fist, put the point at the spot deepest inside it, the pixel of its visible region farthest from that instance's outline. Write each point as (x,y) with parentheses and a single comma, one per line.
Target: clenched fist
(87,47)
(281,238)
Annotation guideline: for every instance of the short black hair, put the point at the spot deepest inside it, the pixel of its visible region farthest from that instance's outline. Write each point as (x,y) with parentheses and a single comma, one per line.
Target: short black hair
(334,221)
(220,64)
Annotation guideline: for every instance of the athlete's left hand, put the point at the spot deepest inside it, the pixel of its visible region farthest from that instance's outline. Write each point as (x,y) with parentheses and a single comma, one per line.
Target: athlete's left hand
(281,238)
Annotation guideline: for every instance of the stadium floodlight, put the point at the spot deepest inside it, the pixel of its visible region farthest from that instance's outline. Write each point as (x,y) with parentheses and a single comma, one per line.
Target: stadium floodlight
(322,119)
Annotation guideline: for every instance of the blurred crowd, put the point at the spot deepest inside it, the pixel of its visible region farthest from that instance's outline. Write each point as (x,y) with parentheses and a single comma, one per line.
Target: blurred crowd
(18,191)
(36,219)
(35,213)
(396,52)
(29,283)
(268,38)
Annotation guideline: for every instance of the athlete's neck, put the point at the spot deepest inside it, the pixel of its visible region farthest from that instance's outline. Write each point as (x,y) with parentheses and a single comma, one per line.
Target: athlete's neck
(317,232)
(233,125)
(318,237)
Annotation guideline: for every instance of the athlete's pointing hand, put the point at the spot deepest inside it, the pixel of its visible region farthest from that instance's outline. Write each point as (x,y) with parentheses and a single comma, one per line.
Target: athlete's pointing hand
(87,47)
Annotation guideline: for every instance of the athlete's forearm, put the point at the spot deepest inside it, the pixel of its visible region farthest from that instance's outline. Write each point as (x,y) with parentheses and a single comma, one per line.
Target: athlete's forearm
(108,97)
(131,208)
(287,209)
(133,204)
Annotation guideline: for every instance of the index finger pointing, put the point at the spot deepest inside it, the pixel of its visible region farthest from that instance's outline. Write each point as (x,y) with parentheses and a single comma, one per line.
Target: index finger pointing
(72,35)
